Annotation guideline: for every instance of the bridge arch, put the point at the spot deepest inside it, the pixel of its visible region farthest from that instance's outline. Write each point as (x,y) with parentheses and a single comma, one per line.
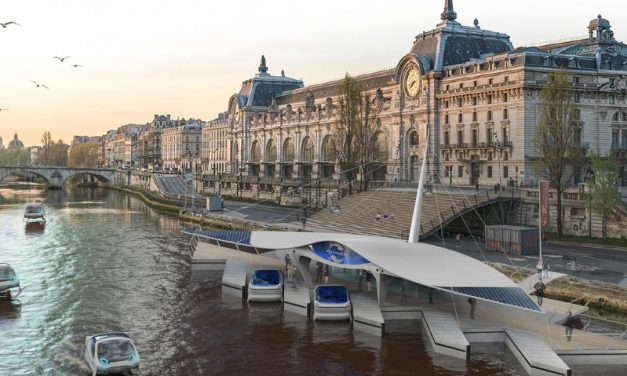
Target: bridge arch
(24,172)
(99,177)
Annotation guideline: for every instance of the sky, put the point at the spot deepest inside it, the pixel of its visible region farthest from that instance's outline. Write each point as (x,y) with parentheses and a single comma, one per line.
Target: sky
(187,57)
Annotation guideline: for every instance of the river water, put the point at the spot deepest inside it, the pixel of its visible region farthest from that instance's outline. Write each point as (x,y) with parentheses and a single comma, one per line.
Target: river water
(107,262)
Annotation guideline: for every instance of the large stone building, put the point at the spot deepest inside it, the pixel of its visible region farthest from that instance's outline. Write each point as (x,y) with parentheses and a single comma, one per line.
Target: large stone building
(470,88)
(150,141)
(180,145)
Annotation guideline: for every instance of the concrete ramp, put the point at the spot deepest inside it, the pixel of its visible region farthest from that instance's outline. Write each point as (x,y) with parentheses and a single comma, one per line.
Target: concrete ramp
(527,284)
(367,316)
(535,355)
(203,269)
(234,278)
(445,335)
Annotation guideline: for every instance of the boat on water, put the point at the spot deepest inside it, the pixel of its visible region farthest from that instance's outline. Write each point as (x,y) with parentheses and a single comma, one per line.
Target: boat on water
(34,213)
(265,285)
(111,353)
(9,283)
(331,302)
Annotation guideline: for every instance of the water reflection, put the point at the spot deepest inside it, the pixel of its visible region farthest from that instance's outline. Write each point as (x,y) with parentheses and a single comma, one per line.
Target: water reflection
(107,262)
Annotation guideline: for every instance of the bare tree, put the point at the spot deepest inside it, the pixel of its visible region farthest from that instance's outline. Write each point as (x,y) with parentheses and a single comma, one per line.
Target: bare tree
(353,131)
(603,195)
(554,135)
(46,143)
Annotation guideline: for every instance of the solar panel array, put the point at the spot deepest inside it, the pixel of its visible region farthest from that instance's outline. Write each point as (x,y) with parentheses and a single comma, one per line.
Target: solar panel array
(238,237)
(513,296)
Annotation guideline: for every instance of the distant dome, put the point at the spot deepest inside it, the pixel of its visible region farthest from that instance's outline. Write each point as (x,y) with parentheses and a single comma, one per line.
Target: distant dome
(16,143)
(599,23)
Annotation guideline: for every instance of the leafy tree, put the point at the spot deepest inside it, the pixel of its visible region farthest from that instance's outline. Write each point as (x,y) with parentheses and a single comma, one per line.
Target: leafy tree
(14,157)
(83,155)
(603,194)
(58,154)
(558,157)
(353,131)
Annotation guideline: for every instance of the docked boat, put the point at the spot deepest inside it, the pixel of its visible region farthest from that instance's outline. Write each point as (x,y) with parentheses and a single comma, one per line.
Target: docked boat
(265,285)
(9,282)
(34,213)
(111,353)
(331,302)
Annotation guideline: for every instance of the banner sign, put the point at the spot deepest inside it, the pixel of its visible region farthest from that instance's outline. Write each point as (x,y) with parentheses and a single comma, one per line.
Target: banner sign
(544,202)
(337,253)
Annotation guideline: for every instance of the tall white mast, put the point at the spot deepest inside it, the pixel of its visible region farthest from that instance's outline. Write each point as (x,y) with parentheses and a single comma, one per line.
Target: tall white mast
(414,232)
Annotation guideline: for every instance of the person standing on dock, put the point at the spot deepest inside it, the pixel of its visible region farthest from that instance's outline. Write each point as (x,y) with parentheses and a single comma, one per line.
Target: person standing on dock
(287,262)
(458,238)
(327,271)
(539,267)
(291,268)
(539,289)
(569,324)
(319,269)
(473,306)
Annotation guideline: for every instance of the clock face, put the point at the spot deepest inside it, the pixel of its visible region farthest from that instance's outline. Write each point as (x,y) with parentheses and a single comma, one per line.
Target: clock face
(412,82)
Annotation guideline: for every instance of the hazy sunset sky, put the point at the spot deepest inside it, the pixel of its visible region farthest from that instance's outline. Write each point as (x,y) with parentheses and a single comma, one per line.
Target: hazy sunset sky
(187,57)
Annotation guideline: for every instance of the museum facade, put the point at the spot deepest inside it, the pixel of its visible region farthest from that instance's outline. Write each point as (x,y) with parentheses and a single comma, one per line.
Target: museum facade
(470,90)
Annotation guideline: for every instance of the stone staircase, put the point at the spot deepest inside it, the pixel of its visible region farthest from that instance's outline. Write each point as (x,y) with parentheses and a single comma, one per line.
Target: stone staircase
(394,209)
(171,184)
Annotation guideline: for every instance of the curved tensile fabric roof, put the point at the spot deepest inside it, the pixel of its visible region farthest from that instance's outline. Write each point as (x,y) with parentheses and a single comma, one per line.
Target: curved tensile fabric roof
(421,263)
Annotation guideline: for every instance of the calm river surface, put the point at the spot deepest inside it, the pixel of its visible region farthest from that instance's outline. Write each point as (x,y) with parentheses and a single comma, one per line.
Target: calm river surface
(106,262)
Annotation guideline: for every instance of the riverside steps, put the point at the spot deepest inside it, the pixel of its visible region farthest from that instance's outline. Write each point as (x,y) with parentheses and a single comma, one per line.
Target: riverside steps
(393,207)
(234,278)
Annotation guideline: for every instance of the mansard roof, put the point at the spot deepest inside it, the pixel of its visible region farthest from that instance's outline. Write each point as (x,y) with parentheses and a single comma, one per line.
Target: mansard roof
(261,89)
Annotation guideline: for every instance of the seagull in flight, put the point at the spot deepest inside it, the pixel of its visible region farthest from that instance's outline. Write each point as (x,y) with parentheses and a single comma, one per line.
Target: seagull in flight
(38,84)
(4,109)
(61,59)
(4,25)
(76,65)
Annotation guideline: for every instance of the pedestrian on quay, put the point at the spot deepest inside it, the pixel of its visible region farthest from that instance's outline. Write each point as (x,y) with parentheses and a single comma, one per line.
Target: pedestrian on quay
(545,270)
(473,306)
(368,281)
(404,286)
(458,238)
(327,271)
(569,324)
(548,270)
(319,269)
(287,261)
(477,185)
(539,267)
(539,291)
(360,280)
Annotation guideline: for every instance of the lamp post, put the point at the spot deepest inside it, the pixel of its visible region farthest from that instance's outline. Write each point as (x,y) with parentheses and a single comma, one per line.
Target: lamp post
(309,156)
(497,147)
(213,152)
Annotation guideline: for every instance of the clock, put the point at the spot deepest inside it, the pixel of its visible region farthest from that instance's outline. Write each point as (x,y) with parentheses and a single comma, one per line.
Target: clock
(412,82)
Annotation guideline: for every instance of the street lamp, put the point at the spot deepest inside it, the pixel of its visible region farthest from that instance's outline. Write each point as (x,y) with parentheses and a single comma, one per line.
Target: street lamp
(497,147)
(213,152)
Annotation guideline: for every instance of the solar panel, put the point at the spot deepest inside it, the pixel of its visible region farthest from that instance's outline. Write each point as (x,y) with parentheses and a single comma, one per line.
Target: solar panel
(239,237)
(513,296)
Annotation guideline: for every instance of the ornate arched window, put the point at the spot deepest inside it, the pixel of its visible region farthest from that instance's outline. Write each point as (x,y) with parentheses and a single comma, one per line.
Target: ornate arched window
(307,150)
(413,138)
(328,149)
(380,152)
(271,153)
(255,152)
(288,151)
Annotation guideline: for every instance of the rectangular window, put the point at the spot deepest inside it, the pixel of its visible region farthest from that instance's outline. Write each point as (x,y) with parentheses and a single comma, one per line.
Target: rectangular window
(615,143)
(505,136)
(612,100)
(460,171)
(504,97)
(459,102)
(505,172)
(488,136)
(505,114)
(490,81)
(460,137)
(447,87)
(474,138)
(575,80)
(490,98)
(474,116)
(506,79)
(445,119)
(446,138)
(474,101)
(489,115)
(474,83)
(489,171)
(461,86)
(577,97)
(446,171)
(460,118)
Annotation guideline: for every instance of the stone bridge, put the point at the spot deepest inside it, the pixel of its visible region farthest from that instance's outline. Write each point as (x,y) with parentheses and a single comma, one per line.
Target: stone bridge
(55,177)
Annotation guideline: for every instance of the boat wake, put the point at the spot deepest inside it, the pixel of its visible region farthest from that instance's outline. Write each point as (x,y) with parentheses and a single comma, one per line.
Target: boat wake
(72,352)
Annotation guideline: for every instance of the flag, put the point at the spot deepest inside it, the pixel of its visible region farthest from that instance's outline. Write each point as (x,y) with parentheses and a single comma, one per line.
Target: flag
(544,203)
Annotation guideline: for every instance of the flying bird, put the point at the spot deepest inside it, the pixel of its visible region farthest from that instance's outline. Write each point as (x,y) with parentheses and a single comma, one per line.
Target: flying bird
(76,65)
(40,85)
(4,109)
(61,59)
(4,25)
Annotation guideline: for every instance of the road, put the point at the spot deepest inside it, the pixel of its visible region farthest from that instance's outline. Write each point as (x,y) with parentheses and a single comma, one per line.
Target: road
(594,263)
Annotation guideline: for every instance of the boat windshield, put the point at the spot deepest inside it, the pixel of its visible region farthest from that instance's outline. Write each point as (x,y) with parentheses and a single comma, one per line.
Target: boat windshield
(332,294)
(265,277)
(6,274)
(34,209)
(116,350)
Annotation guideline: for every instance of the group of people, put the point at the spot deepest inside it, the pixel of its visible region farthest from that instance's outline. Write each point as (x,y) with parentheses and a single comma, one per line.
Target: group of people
(544,269)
